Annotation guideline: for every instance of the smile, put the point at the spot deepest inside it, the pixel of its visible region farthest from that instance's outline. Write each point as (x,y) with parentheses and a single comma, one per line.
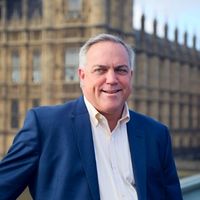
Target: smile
(111,91)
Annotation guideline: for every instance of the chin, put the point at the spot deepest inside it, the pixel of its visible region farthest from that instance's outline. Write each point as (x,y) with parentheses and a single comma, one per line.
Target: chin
(111,110)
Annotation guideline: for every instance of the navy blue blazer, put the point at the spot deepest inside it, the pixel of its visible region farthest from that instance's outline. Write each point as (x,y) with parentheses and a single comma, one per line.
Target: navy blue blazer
(54,155)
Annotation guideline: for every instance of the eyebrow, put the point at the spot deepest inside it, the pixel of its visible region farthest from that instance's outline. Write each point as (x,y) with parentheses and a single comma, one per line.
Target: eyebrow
(100,66)
(122,66)
(106,66)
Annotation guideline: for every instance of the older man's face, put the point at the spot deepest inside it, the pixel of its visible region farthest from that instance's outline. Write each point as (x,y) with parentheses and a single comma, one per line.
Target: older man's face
(106,77)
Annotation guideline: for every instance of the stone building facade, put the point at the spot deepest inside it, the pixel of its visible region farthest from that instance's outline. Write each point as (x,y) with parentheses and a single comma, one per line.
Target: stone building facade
(39,44)
(167,86)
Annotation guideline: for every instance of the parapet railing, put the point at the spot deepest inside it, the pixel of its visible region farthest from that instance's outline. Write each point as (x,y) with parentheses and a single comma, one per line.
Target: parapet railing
(190,186)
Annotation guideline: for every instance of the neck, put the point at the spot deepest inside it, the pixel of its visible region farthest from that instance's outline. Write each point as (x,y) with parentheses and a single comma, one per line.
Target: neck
(112,119)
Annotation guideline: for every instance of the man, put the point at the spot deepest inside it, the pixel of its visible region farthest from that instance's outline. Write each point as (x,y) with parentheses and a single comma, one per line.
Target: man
(94,147)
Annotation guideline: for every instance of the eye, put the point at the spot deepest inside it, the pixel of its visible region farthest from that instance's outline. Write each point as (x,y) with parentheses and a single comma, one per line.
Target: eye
(99,70)
(123,69)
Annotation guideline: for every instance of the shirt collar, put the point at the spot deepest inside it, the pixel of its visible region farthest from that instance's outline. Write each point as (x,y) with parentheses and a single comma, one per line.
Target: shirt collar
(96,116)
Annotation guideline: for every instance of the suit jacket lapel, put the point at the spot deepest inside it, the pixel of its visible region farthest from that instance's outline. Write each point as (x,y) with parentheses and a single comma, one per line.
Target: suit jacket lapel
(136,138)
(83,134)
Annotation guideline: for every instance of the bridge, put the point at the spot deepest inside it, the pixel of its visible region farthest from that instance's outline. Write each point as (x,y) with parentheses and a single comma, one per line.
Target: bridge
(191,187)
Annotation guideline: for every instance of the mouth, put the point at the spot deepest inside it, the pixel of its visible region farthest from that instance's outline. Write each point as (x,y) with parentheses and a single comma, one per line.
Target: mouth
(111,91)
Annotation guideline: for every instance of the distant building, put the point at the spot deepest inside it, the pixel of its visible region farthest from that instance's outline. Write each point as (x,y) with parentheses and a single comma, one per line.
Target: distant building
(39,44)
(167,86)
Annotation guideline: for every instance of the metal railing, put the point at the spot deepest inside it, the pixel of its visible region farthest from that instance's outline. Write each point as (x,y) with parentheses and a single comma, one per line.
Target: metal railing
(190,187)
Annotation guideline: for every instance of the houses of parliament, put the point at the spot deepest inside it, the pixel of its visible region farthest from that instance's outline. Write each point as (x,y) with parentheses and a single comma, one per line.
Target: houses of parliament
(39,45)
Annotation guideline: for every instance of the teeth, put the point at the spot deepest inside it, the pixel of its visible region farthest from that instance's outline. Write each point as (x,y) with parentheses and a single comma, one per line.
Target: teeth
(111,92)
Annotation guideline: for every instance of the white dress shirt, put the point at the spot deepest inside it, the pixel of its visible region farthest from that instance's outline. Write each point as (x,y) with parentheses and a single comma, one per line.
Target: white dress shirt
(112,153)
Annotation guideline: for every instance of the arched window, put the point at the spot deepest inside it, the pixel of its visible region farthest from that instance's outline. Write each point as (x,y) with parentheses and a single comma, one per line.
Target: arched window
(14,9)
(36,66)
(15,67)
(73,8)
(71,64)
(34,8)
(74,5)
(14,113)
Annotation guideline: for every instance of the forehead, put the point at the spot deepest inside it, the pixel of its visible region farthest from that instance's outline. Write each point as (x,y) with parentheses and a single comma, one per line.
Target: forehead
(107,50)
(102,44)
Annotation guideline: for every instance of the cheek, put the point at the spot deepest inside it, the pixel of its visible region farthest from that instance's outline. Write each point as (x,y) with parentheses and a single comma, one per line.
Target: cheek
(127,83)
(92,86)
(97,83)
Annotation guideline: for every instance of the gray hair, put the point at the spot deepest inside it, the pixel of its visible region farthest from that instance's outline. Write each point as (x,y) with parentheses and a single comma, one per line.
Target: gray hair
(103,38)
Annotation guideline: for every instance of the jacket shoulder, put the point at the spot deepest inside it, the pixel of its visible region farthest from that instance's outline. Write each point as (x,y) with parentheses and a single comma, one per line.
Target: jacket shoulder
(54,111)
(142,119)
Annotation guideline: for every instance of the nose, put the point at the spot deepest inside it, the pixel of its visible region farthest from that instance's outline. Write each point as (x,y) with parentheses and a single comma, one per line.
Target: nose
(111,77)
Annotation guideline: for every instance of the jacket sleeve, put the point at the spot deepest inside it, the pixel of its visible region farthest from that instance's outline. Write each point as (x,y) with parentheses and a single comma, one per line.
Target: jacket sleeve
(19,164)
(172,185)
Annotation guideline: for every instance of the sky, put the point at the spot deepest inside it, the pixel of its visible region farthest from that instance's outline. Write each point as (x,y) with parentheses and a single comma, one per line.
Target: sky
(183,14)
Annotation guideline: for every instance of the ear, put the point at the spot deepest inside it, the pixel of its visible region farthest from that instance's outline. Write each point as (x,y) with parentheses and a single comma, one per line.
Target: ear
(81,73)
(132,72)
(132,76)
